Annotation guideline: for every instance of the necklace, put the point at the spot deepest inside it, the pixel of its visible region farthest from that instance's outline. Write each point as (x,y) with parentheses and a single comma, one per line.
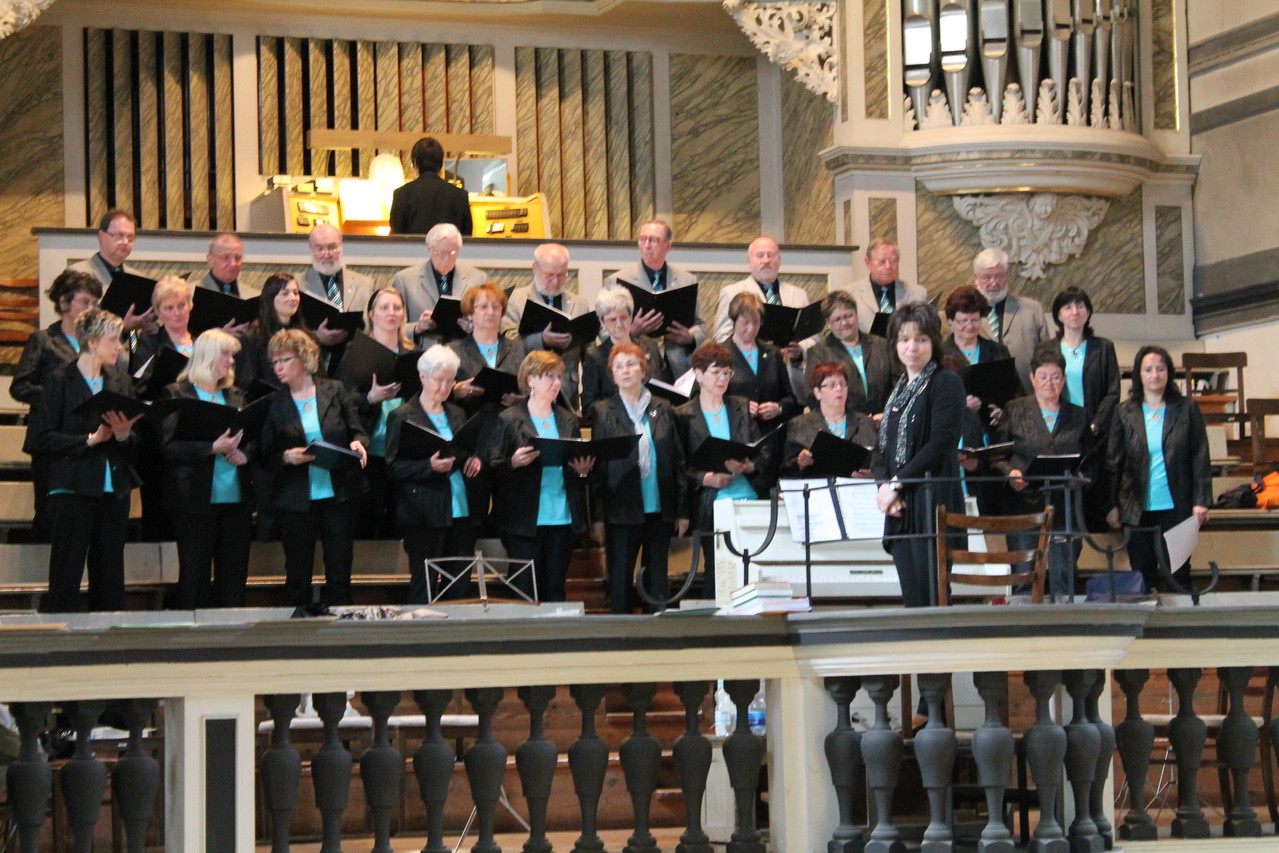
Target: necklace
(308,404)
(717,416)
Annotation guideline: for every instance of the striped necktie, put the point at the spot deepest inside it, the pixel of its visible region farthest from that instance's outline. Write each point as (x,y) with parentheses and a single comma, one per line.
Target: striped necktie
(658,286)
(335,293)
(771,296)
(885,303)
(996,333)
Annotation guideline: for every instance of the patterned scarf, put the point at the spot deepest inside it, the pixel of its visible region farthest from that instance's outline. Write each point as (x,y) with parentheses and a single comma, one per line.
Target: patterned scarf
(905,394)
(637,413)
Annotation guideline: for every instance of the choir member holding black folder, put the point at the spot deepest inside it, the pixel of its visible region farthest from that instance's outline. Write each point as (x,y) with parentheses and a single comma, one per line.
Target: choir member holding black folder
(712,415)
(641,499)
(370,370)
(537,508)
(48,350)
(315,444)
(1050,437)
(206,485)
(278,306)
(831,440)
(90,475)
(432,463)
(760,376)
(616,310)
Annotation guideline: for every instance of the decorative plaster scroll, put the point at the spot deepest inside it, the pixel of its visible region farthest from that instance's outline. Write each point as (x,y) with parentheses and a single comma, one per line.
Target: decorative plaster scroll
(977,109)
(1035,230)
(1014,111)
(938,114)
(798,36)
(16,14)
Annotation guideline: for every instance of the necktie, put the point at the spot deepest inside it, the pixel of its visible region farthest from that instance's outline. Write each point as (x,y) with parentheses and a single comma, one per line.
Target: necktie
(771,295)
(995,332)
(335,294)
(444,285)
(658,286)
(885,304)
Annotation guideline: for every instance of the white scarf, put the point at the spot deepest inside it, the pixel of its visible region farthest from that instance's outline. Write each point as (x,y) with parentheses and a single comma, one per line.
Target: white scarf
(637,413)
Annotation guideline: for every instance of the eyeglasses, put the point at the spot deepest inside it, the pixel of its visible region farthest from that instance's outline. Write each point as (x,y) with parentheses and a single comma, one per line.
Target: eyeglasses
(121,238)
(833,386)
(276,362)
(331,249)
(441,253)
(720,373)
(992,277)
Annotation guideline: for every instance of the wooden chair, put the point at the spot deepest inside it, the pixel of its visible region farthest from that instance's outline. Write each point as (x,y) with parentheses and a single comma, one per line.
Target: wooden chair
(1219,402)
(1259,408)
(1003,524)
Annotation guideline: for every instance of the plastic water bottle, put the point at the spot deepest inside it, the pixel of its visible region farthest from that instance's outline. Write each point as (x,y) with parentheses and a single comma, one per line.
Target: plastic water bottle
(755,713)
(724,712)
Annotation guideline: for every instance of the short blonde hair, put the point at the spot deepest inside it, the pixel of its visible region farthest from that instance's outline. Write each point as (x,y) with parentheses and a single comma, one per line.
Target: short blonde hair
(295,342)
(209,346)
(538,363)
(95,324)
(168,287)
(406,343)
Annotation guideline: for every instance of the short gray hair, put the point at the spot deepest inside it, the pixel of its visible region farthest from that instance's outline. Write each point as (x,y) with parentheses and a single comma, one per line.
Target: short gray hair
(438,357)
(988,259)
(612,298)
(442,231)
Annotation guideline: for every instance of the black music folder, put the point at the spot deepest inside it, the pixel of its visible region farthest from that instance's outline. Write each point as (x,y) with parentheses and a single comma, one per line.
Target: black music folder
(677,305)
(560,451)
(213,309)
(879,324)
(584,328)
(496,384)
(128,291)
(110,401)
(418,442)
(1052,465)
(668,392)
(993,382)
(991,452)
(712,453)
(446,313)
(316,311)
(366,359)
(160,371)
(782,325)
(332,457)
(838,457)
(202,420)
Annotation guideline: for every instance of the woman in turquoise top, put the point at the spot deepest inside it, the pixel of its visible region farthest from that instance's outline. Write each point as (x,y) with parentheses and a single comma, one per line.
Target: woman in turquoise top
(206,485)
(90,475)
(434,503)
(711,413)
(311,501)
(1158,467)
(384,320)
(538,508)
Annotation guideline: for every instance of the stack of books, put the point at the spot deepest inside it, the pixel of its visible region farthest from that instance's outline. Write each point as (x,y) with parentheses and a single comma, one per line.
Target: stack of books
(766,597)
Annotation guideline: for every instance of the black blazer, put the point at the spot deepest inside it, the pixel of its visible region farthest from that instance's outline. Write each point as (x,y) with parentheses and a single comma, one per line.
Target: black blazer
(46,350)
(803,430)
(1185,449)
(518,491)
(1101,384)
(615,485)
(188,478)
(693,431)
(510,355)
(63,435)
(932,441)
(424,497)
(770,385)
(880,373)
(339,424)
(597,379)
(423,203)
(1024,425)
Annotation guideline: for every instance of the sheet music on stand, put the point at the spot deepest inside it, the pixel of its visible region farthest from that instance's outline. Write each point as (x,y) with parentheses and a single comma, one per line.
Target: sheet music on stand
(839,508)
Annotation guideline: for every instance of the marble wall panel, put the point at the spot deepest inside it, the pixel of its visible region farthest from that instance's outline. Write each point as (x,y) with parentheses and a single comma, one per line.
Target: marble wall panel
(714,148)
(548,136)
(223,134)
(31,136)
(574,152)
(268,102)
(319,162)
(459,80)
(1163,62)
(482,118)
(883,218)
(808,185)
(411,93)
(875,57)
(386,63)
(1170,269)
(595,122)
(148,209)
(293,113)
(1111,267)
(643,181)
(175,123)
(619,151)
(435,71)
(526,119)
(841,36)
(342,111)
(122,139)
(198,164)
(366,94)
(848,220)
(97,120)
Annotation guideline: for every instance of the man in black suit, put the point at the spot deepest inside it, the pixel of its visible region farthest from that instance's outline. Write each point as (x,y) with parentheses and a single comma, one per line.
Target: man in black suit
(420,205)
